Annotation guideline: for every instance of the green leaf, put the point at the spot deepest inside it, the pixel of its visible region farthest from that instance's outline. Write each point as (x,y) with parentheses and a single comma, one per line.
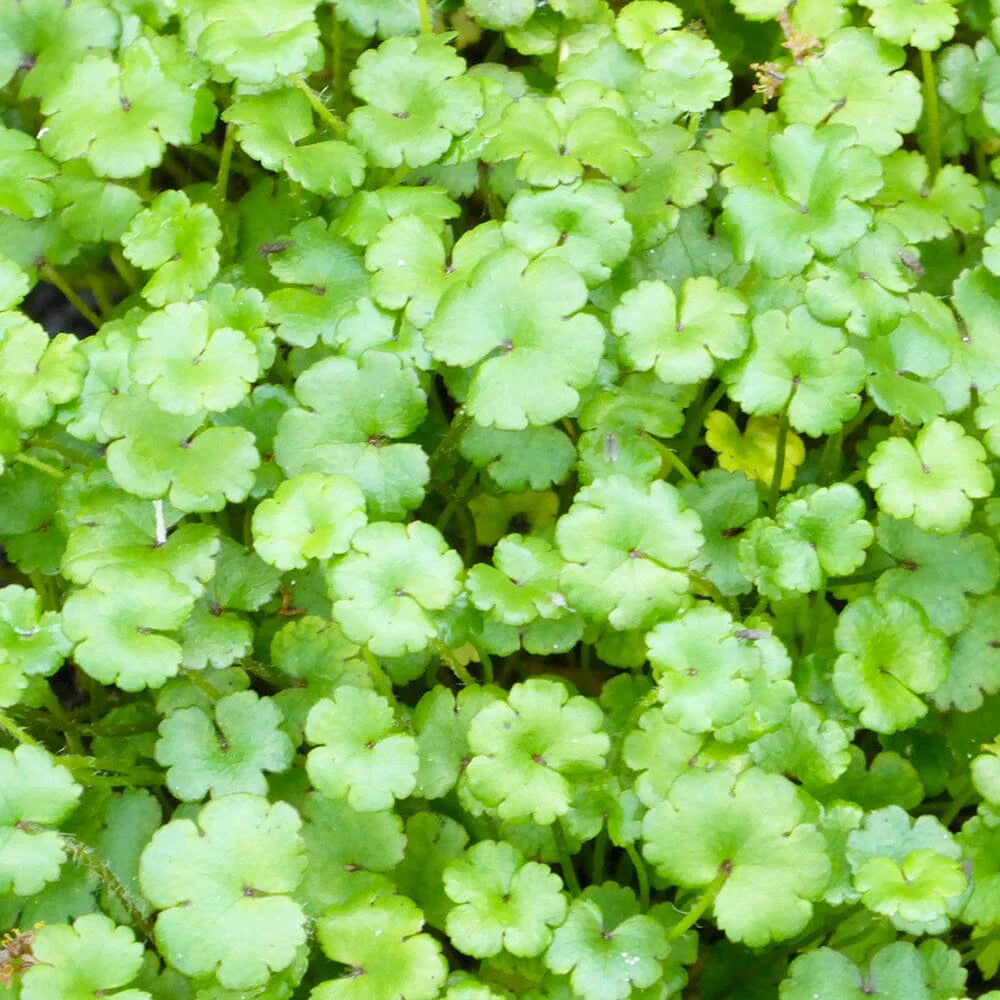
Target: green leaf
(223,885)
(821,177)
(188,364)
(974,663)
(609,949)
(898,971)
(332,278)
(702,669)
(361,757)
(125,622)
(726,502)
(176,240)
(32,642)
(351,413)
(416,101)
(517,324)
(889,657)
(807,746)
(310,516)
(525,749)
(681,341)
(155,454)
(36,372)
(909,870)
(533,458)
(253,42)
(502,902)
(926,210)
(345,848)
(749,833)
(38,793)
(937,571)
(554,139)
(802,365)
(24,176)
(854,81)
(120,115)
(626,547)
(387,588)
(83,961)
(582,224)
(924,24)
(933,480)
(46,36)
(406,964)
(387,19)
(226,754)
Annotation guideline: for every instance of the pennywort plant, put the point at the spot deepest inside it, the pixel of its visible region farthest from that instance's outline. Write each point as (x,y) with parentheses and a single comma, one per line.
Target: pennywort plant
(506,506)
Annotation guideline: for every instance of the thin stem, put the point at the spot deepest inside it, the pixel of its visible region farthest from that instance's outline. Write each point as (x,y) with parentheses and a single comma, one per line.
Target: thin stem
(382,683)
(48,273)
(329,118)
(696,420)
(453,663)
(9,726)
(337,63)
(933,116)
(222,177)
(597,861)
(703,902)
(125,270)
(779,452)
(87,857)
(829,458)
(99,289)
(451,438)
(642,876)
(37,463)
(426,24)
(669,456)
(484,659)
(565,858)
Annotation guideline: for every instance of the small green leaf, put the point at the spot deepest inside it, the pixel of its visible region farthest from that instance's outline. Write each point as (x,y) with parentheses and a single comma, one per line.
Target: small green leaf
(310,516)
(223,885)
(86,960)
(502,902)
(934,479)
(37,790)
(361,757)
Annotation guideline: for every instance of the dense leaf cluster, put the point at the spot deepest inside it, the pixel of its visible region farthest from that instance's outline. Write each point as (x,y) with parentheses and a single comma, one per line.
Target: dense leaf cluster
(517,518)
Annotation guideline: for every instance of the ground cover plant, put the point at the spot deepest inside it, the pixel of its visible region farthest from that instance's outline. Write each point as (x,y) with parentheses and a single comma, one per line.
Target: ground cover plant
(506,507)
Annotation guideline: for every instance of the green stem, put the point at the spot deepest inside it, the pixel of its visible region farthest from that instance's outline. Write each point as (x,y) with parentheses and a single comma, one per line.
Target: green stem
(85,856)
(485,659)
(329,118)
(702,903)
(201,684)
(451,438)
(337,63)
(600,853)
(222,177)
(454,665)
(382,683)
(696,421)
(642,876)
(37,463)
(99,289)
(9,726)
(125,270)
(48,273)
(831,455)
(779,452)
(669,456)
(426,24)
(565,858)
(933,116)
(847,581)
